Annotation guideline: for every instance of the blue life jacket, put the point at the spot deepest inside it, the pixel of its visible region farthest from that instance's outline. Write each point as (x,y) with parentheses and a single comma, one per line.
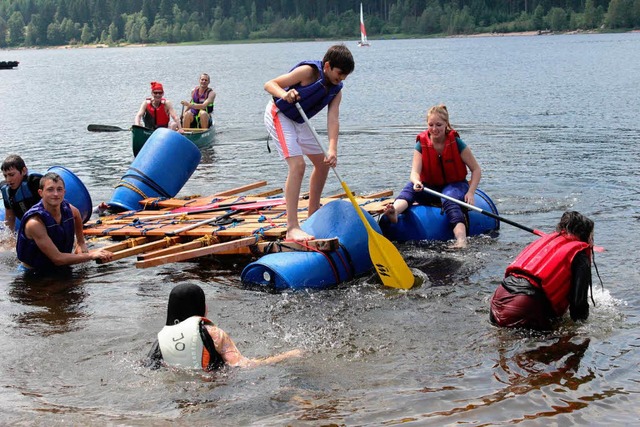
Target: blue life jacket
(23,198)
(313,97)
(62,235)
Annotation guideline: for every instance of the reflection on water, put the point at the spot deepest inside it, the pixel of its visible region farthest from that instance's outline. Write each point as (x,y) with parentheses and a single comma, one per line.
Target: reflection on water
(54,303)
(531,365)
(553,125)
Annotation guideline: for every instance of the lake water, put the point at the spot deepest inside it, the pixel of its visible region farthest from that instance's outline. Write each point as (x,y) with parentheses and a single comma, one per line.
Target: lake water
(554,123)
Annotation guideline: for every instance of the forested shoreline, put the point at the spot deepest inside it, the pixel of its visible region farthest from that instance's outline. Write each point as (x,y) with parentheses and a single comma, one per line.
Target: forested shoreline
(42,23)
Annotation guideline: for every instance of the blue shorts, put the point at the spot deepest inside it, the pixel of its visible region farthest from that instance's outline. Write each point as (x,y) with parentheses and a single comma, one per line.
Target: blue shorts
(455,190)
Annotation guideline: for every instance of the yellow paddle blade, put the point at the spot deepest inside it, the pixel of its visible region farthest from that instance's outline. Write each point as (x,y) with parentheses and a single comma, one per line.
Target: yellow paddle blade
(391,267)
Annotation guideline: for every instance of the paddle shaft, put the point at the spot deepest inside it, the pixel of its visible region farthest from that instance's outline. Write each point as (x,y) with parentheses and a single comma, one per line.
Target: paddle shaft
(482,211)
(344,184)
(494,216)
(391,267)
(200,223)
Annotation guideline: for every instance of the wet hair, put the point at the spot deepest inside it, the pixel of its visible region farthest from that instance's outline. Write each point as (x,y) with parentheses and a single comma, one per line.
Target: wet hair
(440,110)
(575,223)
(185,300)
(13,161)
(340,56)
(52,176)
(206,75)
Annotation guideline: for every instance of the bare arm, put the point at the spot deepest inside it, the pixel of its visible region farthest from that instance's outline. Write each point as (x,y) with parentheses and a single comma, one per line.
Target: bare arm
(81,245)
(304,75)
(231,355)
(172,113)
(416,170)
(333,129)
(469,159)
(138,120)
(36,230)
(10,218)
(210,99)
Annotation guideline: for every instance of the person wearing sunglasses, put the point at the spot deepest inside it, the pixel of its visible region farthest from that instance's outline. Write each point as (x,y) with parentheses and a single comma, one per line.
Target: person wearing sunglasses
(157,111)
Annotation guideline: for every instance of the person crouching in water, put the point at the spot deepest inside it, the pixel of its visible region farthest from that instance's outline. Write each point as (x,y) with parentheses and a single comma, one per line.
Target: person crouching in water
(190,340)
(50,229)
(549,276)
(440,162)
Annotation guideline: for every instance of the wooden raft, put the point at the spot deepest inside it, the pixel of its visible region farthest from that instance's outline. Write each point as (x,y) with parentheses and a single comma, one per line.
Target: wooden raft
(226,223)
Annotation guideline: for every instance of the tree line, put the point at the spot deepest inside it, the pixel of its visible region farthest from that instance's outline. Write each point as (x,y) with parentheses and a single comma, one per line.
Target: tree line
(76,22)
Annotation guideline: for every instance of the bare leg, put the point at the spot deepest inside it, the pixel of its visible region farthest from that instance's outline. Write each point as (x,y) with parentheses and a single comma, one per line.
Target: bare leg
(188,118)
(391,211)
(460,233)
(292,194)
(316,181)
(204,120)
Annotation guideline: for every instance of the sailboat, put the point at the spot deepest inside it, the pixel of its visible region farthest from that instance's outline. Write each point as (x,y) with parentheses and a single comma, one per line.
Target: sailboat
(363,33)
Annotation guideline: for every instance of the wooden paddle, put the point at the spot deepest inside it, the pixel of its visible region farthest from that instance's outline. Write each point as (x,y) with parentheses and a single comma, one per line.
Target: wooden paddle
(494,216)
(389,264)
(106,128)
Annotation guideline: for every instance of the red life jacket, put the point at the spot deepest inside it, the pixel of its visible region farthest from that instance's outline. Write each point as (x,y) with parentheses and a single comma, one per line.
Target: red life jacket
(159,114)
(546,263)
(441,169)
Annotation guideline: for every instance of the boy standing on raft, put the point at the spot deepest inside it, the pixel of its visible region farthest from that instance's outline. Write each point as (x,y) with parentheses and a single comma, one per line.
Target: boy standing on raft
(315,84)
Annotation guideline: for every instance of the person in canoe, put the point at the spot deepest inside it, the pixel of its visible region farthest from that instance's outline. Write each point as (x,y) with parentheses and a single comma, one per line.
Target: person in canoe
(47,231)
(315,84)
(157,112)
(20,189)
(549,276)
(440,162)
(200,108)
(190,340)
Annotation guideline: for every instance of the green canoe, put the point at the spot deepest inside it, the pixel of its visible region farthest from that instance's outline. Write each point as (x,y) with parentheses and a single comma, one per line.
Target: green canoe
(200,137)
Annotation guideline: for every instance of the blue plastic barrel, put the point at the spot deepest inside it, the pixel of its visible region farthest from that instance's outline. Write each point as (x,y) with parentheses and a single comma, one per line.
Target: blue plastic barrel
(162,167)
(313,270)
(75,191)
(421,223)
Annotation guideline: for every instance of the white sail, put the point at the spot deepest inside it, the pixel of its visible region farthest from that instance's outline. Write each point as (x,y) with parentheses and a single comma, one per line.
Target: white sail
(363,33)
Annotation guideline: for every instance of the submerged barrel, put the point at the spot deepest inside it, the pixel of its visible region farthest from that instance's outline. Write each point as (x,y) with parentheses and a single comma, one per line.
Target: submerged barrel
(162,167)
(430,222)
(318,270)
(75,192)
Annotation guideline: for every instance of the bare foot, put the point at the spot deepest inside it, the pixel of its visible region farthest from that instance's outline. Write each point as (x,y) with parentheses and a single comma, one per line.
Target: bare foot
(298,235)
(390,213)
(459,244)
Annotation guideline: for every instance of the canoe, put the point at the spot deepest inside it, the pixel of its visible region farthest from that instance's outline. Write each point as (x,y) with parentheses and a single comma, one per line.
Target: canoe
(420,223)
(318,270)
(7,65)
(201,138)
